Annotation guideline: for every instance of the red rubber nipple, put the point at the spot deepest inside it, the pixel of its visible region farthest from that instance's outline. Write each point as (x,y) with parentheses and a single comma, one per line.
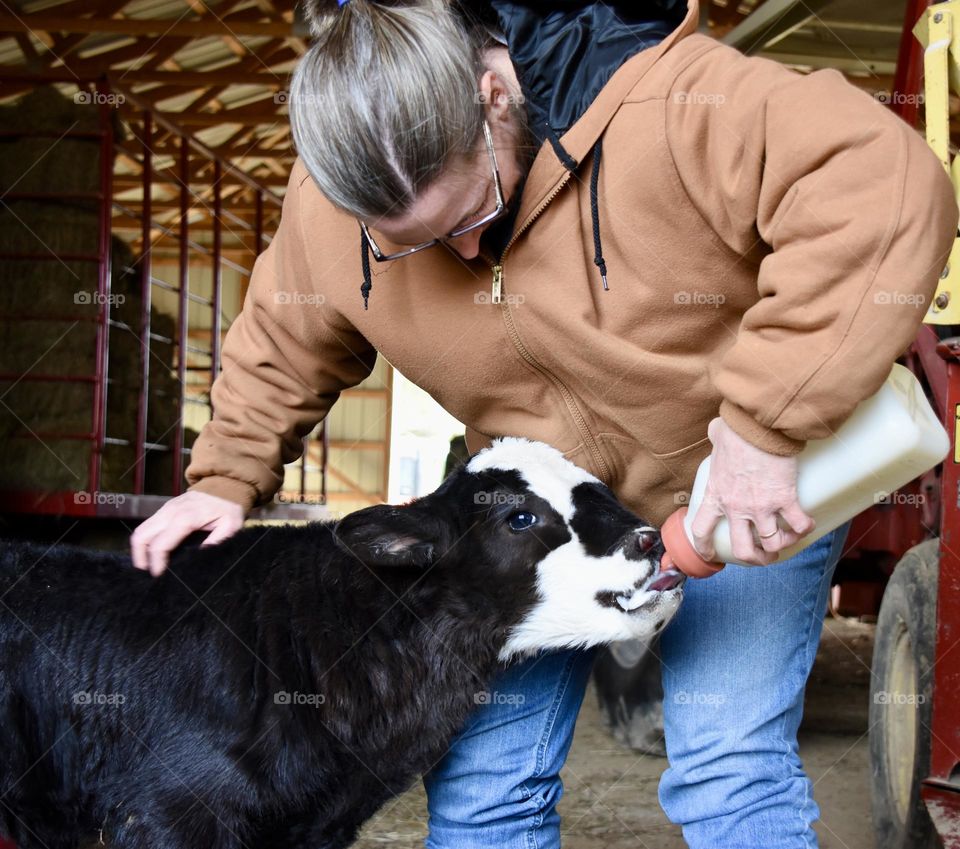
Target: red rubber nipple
(680,553)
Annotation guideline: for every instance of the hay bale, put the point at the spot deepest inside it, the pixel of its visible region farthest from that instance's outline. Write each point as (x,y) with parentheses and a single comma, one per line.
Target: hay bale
(49,316)
(70,165)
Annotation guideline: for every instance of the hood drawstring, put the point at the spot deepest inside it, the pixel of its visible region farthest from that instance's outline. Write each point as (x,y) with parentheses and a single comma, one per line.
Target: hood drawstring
(571,165)
(565,158)
(598,259)
(367,284)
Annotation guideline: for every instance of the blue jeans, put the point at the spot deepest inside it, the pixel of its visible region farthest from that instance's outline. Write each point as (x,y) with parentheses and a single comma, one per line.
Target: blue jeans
(735,663)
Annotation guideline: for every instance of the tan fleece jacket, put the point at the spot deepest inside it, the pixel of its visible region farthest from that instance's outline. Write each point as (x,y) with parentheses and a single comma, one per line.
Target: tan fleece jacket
(772,242)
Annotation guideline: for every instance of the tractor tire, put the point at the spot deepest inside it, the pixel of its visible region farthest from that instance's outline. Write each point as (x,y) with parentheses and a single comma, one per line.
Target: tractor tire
(627,679)
(900,706)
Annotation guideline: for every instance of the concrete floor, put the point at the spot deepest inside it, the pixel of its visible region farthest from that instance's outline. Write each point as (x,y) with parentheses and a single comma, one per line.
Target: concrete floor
(611,793)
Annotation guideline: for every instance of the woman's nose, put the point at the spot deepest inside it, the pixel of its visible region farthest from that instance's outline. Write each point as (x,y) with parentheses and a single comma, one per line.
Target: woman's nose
(467,245)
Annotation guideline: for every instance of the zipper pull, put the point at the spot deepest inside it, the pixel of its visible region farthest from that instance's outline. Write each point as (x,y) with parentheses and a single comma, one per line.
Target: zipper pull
(497,284)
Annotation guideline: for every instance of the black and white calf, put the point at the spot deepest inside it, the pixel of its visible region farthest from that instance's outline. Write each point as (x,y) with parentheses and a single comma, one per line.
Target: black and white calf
(275,690)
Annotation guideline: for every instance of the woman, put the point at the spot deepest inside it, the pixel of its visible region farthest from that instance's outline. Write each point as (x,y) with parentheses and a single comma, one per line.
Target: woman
(605,231)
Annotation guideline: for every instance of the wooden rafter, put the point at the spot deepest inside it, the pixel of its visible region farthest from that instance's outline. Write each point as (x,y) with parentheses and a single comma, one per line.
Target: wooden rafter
(141,26)
(156,59)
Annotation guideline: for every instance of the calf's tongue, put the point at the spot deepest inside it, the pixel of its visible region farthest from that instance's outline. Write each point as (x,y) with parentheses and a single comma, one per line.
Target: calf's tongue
(668,579)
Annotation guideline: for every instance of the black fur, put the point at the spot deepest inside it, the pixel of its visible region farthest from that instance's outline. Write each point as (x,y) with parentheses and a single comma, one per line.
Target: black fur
(151,711)
(600,521)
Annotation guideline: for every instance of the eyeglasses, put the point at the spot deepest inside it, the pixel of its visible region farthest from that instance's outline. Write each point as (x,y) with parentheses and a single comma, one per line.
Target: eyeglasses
(499,212)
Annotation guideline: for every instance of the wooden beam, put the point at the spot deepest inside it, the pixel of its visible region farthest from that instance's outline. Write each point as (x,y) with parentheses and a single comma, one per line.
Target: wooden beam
(168,179)
(352,485)
(237,229)
(158,49)
(141,51)
(82,7)
(207,96)
(139,26)
(221,76)
(246,150)
(243,211)
(247,72)
(246,116)
(243,258)
(173,79)
(126,224)
(59,48)
(358,444)
(29,52)
(769,21)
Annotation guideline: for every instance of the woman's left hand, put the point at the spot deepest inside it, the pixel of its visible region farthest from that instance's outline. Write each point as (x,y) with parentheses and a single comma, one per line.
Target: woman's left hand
(752,489)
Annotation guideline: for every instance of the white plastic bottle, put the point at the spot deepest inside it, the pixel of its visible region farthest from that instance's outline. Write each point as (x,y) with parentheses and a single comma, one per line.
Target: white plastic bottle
(890,439)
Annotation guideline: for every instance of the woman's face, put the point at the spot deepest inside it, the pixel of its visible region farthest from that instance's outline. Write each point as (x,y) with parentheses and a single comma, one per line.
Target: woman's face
(465,191)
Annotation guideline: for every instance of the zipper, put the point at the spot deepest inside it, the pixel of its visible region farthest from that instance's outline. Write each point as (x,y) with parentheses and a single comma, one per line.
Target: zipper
(565,393)
(497,284)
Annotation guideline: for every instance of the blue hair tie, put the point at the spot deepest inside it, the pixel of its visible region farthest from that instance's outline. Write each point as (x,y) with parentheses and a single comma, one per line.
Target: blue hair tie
(342,3)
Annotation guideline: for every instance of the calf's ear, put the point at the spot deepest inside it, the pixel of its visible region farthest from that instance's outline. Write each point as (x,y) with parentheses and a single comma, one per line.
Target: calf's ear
(387,535)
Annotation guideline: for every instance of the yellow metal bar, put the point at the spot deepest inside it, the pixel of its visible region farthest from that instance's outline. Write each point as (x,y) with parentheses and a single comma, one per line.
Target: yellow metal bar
(936,30)
(936,73)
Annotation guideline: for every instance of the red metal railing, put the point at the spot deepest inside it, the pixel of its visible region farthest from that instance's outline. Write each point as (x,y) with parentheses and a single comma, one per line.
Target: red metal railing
(104,233)
(190,153)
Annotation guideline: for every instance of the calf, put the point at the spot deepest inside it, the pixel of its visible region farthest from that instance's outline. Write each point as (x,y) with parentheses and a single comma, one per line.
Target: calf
(276,689)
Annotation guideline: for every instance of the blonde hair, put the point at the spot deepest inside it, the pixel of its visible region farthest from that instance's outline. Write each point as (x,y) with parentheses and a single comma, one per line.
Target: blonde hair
(385,97)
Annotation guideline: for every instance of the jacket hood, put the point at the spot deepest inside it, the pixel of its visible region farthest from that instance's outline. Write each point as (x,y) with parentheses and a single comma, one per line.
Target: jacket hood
(566,52)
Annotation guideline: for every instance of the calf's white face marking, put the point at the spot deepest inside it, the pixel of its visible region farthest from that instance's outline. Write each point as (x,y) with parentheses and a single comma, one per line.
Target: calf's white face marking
(584,598)
(546,471)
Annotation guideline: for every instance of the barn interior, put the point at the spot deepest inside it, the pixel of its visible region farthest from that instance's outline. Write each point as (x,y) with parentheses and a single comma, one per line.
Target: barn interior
(146,149)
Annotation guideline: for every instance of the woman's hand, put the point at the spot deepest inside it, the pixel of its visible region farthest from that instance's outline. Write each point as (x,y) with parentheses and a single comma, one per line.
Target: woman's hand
(153,540)
(751,488)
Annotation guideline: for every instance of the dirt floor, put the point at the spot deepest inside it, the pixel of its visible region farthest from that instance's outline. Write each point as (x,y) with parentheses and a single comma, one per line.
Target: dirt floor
(611,792)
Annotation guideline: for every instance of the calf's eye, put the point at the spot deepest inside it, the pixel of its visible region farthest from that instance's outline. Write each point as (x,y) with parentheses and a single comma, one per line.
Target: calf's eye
(521,520)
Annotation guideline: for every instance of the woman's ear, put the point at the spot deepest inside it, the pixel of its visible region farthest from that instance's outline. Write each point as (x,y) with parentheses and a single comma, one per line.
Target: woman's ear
(496,97)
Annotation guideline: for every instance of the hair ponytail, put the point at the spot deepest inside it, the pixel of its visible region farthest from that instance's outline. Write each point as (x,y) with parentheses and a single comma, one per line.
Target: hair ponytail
(320,14)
